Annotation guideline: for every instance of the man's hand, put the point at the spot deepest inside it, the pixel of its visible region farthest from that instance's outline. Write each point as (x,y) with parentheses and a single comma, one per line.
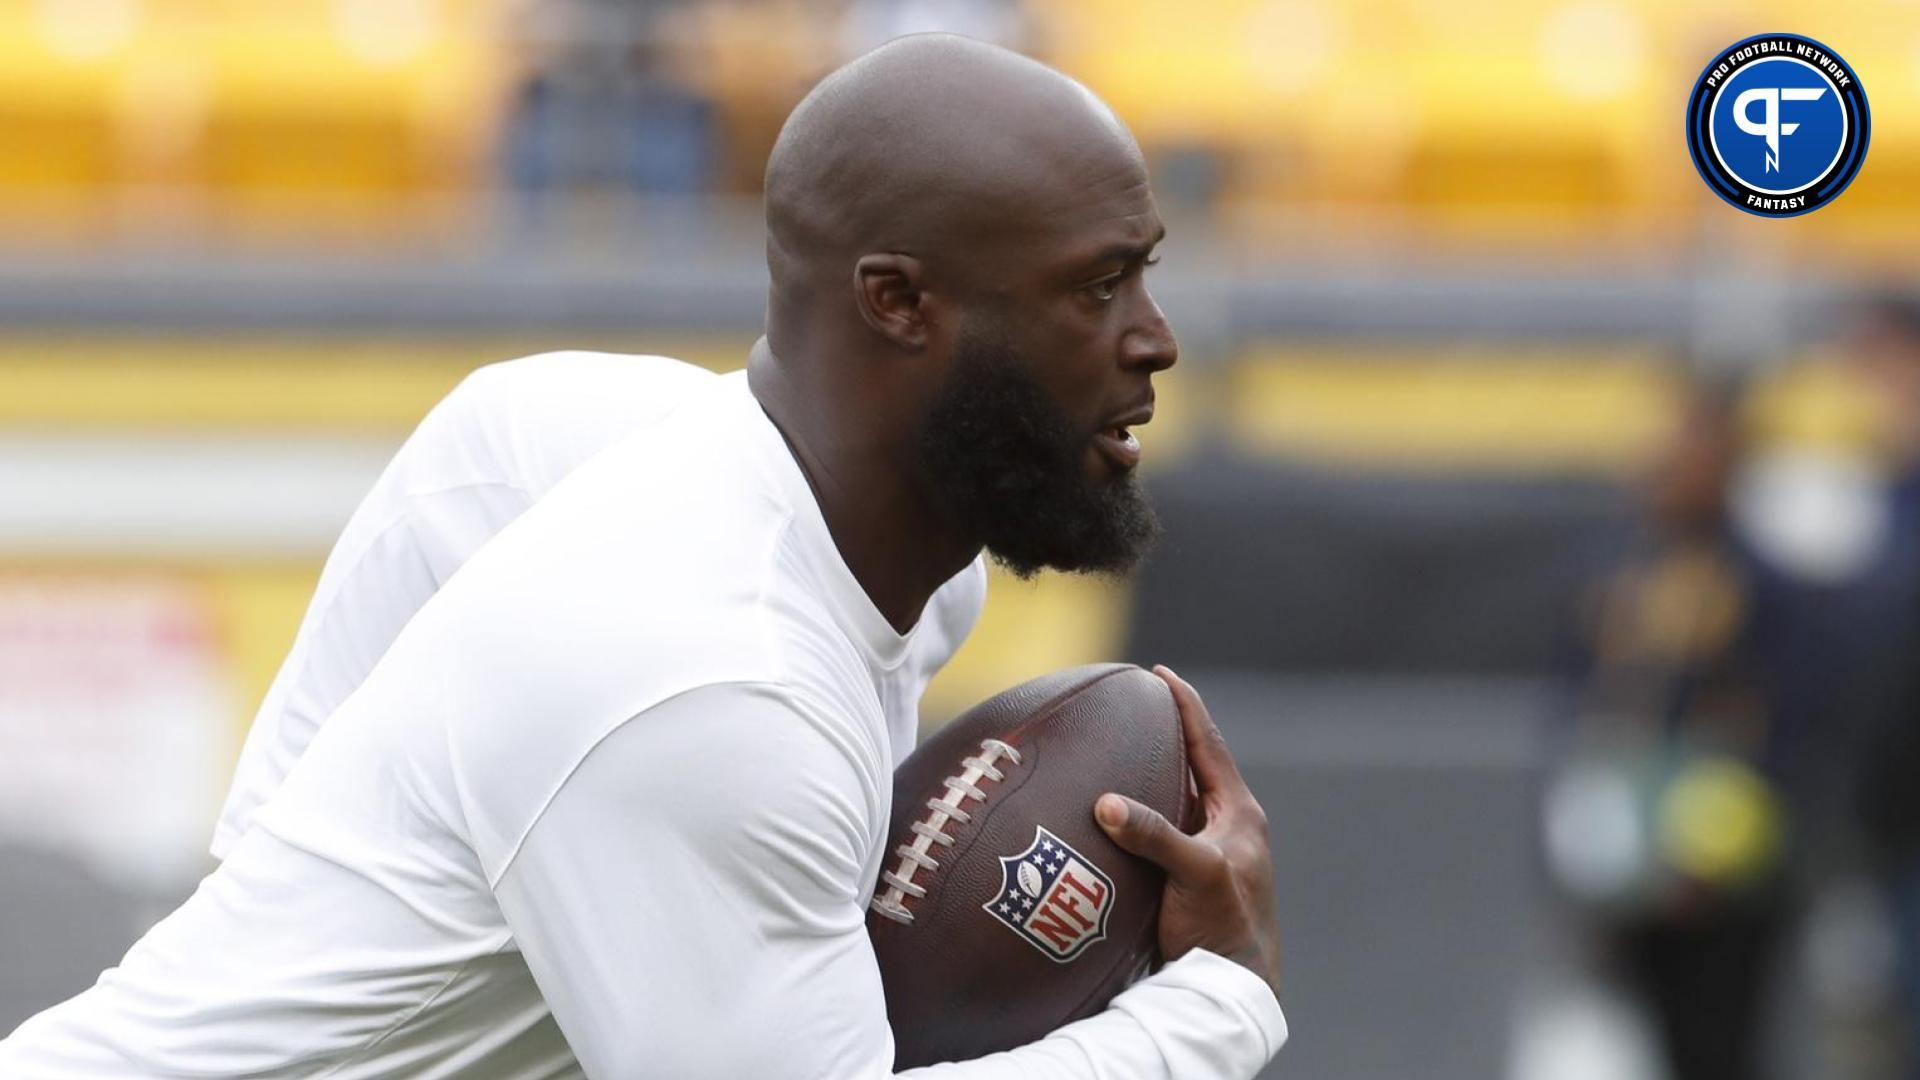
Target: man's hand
(1220,880)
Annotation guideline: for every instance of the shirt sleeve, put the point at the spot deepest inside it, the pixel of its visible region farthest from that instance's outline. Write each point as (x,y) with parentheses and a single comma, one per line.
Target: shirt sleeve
(690,904)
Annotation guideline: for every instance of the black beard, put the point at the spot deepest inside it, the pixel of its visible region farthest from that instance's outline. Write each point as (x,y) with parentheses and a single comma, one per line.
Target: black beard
(1006,465)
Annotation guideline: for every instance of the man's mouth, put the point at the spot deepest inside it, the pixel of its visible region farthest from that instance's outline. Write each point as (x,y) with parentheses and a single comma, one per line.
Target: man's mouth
(1119,443)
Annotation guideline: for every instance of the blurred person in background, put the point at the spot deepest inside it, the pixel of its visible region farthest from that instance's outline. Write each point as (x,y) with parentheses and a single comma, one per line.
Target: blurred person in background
(1667,822)
(1884,343)
(603,104)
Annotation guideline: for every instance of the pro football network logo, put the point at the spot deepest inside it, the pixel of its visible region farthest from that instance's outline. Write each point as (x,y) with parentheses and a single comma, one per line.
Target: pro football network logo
(1778,125)
(1053,897)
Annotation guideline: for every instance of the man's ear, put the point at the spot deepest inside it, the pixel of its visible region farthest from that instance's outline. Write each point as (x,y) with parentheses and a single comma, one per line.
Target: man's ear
(888,289)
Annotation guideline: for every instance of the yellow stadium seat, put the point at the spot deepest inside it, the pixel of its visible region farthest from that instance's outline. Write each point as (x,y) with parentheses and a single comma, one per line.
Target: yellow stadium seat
(56,116)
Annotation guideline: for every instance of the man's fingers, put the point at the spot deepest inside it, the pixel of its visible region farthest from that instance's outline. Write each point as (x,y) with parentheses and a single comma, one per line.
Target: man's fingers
(1207,753)
(1142,830)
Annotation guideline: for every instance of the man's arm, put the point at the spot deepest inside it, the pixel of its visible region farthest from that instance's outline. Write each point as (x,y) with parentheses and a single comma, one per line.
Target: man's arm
(690,905)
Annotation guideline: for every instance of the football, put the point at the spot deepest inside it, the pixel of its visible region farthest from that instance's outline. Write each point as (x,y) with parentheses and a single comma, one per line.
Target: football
(1003,910)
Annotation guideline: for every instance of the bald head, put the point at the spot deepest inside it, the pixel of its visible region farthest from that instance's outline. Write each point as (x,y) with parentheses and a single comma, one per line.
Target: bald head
(960,337)
(936,146)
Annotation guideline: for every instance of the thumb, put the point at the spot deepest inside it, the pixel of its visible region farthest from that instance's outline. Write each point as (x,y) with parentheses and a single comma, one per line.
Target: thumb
(1139,829)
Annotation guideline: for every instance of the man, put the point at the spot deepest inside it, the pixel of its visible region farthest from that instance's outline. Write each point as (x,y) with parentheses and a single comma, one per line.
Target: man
(1680,676)
(614,799)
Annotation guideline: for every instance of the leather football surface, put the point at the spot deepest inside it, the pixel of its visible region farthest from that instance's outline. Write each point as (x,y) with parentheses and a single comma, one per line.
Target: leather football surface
(1003,911)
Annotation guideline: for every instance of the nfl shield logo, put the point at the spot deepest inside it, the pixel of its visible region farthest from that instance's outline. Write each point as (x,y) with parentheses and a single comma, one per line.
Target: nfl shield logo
(1053,897)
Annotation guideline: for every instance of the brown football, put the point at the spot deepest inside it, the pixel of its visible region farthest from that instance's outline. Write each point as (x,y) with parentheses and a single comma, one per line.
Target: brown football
(1003,911)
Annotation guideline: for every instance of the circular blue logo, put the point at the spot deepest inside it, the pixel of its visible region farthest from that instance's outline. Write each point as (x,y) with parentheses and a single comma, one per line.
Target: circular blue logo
(1778,125)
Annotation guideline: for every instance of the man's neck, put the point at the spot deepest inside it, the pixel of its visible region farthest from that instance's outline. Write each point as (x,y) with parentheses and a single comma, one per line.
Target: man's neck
(885,532)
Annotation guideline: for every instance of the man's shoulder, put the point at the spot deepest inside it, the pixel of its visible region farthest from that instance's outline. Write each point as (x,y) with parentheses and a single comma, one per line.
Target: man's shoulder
(668,552)
(521,383)
(665,564)
(540,416)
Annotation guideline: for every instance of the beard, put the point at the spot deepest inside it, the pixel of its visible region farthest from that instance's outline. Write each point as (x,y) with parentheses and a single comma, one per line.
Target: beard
(1006,465)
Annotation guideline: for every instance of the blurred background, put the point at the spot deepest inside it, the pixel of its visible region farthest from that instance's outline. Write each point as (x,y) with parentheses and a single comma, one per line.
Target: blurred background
(1544,531)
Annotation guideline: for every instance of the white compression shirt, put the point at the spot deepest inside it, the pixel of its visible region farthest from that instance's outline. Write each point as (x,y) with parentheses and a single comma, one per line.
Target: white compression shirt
(612,805)
(502,439)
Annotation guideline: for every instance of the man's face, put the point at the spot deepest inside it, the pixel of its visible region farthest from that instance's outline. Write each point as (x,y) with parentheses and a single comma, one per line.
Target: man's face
(1028,441)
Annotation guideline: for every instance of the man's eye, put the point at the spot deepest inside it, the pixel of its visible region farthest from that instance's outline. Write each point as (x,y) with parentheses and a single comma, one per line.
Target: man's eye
(1108,288)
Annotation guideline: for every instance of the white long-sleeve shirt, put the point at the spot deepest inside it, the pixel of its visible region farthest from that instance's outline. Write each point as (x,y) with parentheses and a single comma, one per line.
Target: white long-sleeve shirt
(612,802)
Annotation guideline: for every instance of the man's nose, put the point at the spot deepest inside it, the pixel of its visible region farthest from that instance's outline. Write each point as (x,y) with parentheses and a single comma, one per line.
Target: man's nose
(1150,343)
